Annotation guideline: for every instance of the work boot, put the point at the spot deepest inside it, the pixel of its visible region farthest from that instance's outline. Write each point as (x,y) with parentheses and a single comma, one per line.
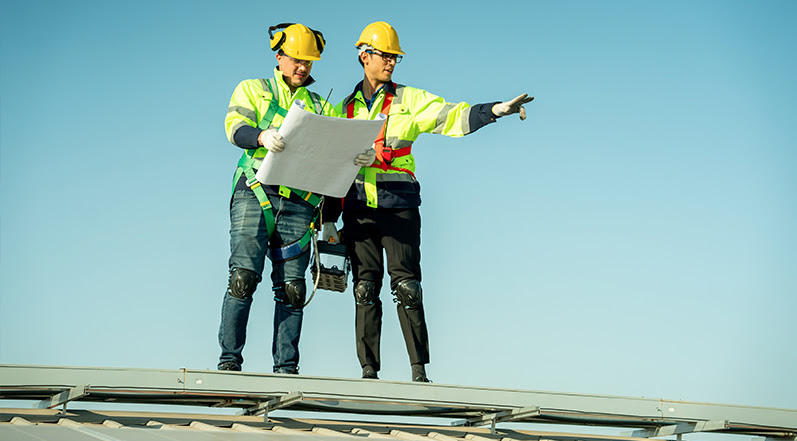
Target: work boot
(369,372)
(229,366)
(419,373)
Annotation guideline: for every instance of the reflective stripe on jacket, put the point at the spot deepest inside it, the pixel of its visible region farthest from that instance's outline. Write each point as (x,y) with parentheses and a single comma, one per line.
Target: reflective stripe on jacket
(413,111)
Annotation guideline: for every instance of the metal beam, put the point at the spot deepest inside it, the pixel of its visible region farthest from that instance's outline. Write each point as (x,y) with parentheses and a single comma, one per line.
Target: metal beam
(785,437)
(501,417)
(680,428)
(277,403)
(64,397)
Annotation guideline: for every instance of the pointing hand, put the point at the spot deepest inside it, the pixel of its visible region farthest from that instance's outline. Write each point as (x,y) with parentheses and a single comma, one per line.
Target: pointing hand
(513,106)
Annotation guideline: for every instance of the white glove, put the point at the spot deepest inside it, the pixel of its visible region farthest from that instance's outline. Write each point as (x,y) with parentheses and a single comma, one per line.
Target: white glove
(513,106)
(365,159)
(272,140)
(329,232)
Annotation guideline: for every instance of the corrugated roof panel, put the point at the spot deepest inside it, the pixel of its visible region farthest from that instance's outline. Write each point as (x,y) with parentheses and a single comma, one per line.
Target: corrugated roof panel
(368,433)
(472,437)
(329,432)
(204,426)
(441,437)
(39,432)
(400,434)
(21,421)
(68,430)
(287,431)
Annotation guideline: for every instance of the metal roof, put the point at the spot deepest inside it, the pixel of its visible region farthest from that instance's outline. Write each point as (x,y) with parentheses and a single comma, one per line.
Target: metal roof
(258,394)
(30,424)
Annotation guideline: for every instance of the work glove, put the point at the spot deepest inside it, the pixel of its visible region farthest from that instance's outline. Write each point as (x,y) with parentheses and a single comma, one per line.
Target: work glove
(329,233)
(365,159)
(272,140)
(513,106)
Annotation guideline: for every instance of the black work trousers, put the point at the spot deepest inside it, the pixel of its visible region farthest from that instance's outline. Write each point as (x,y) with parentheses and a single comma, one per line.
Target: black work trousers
(396,233)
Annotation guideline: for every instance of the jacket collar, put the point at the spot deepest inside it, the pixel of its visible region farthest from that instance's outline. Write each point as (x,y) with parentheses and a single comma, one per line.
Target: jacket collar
(389,87)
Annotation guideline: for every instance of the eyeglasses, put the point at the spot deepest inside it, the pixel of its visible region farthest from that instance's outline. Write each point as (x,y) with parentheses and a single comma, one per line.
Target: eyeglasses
(386,57)
(305,63)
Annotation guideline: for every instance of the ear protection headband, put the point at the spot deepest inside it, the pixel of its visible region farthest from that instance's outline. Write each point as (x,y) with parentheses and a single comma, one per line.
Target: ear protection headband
(276,40)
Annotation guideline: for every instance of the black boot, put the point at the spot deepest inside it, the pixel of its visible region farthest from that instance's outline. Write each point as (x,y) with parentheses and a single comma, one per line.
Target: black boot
(369,372)
(419,373)
(229,366)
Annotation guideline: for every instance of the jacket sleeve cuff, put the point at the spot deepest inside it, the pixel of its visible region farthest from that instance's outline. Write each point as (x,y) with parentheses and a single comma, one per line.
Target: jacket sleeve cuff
(246,137)
(481,115)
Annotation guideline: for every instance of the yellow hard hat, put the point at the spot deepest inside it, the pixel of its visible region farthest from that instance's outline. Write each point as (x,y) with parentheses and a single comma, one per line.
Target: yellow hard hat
(382,37)
(297,40)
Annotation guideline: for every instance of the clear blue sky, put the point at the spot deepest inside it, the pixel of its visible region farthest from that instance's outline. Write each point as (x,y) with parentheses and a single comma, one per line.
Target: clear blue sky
(634,236)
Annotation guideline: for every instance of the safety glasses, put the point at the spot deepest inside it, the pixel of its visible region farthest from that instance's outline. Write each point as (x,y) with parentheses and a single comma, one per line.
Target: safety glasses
(386,57)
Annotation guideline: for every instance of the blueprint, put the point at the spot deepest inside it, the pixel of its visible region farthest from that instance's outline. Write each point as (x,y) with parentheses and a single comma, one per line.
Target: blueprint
(319,151)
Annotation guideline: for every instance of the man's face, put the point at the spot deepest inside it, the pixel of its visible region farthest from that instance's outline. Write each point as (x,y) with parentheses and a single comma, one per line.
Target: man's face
(378,66)
(295,71)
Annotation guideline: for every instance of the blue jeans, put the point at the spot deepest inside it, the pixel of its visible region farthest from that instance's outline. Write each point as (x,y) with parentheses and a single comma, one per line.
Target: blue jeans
(249,244)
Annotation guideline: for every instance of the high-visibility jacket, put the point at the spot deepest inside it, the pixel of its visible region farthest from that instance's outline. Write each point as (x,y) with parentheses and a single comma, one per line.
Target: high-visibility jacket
(253,108)
(412,112)
(257,105)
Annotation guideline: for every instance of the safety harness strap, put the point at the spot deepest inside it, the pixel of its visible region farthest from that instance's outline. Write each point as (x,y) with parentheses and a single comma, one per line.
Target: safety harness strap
(274,107)
(262,197)
(317,106)
(294,249)
(290,250)
(248,165)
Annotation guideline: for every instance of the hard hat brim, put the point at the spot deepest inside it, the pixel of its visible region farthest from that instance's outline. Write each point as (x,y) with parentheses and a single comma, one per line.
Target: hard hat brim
(360,43)
(305,58)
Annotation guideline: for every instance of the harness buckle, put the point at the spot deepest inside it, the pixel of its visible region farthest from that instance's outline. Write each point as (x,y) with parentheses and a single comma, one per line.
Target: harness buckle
(251,182)
(387,155)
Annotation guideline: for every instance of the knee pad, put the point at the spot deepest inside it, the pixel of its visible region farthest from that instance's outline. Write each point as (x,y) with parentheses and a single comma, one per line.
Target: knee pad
(409,294)
(295,293)
(242,283)
(365,293)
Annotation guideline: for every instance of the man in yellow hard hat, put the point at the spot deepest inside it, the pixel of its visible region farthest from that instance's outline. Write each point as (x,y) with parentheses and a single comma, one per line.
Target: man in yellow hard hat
(380,212)
(270,220)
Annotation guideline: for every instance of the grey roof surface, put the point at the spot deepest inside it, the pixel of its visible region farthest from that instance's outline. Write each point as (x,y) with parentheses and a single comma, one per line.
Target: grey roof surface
(256,395)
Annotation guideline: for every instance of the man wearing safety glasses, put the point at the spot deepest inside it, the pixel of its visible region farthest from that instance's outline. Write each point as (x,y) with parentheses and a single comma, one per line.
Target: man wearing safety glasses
(380,212)
(271,220)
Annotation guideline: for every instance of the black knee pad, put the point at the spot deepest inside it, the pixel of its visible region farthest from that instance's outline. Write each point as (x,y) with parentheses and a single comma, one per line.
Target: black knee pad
(295,293)
(365,293)
(242,283)
(409,294)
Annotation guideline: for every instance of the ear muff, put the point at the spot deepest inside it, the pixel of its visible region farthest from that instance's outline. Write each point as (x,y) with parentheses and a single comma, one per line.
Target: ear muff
(319,41)
(277,39)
